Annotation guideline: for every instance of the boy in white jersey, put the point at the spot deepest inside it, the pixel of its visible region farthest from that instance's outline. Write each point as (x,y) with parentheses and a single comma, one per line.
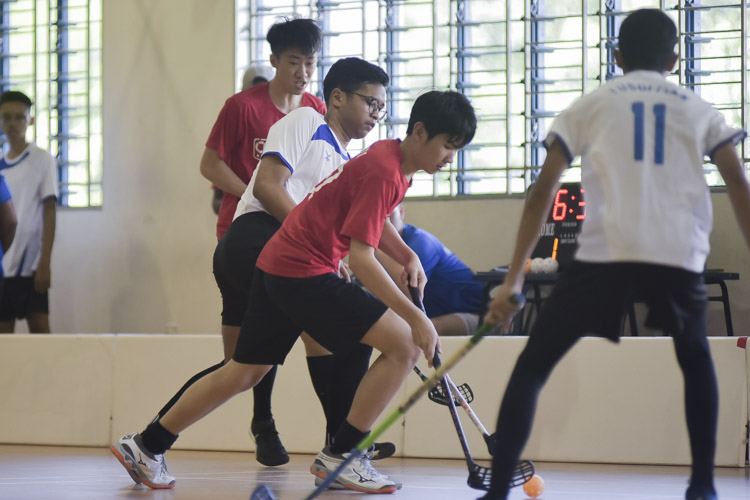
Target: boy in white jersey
(302,149)
(31,174)
(642,141)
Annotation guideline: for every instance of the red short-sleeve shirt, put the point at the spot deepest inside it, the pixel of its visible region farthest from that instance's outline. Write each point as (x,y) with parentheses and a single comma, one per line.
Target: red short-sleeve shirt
(353,202)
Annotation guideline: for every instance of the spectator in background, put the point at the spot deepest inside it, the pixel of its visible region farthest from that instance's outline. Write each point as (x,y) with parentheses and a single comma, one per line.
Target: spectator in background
(31,174)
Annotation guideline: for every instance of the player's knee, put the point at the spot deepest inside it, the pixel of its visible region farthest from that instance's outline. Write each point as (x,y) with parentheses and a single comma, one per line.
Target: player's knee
(240,377)
(412,353)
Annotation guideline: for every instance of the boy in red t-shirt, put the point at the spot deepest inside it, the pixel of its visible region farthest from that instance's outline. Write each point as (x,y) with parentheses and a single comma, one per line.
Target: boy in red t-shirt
(235,145)
(296,287)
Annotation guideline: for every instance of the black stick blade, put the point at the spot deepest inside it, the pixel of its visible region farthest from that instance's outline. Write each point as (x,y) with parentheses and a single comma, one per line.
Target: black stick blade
(437,395)
(480,477)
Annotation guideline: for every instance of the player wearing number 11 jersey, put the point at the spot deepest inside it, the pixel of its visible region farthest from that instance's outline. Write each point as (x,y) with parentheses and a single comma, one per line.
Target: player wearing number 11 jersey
(642,141)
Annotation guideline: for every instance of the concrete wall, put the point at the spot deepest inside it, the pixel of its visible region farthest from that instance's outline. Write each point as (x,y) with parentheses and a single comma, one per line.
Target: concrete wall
(603,403)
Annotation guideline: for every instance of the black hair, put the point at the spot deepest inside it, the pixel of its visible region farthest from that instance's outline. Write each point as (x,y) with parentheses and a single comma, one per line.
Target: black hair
(647,39)
(294,33)
(351,74)
(15,96)
(445,112)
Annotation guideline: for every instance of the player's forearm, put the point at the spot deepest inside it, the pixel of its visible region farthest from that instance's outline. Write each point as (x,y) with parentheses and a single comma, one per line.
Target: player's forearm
(534,215)
(394,246)
(274,198)
(393,268)
(738,189)
(739,196)
(368,270)
(48,231)
(218,172)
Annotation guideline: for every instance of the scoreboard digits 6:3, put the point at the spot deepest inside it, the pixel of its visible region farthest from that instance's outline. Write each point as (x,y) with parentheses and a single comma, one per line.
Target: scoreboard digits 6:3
(559,235)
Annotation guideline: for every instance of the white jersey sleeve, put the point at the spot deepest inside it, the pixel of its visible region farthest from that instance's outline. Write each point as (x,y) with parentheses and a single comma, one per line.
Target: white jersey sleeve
(305,143)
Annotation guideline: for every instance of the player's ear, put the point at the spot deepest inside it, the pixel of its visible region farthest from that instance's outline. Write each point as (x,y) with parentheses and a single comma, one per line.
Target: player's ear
(672,62)
(337,98)
(31,121)
(274,60)
(618,59)
(419,132)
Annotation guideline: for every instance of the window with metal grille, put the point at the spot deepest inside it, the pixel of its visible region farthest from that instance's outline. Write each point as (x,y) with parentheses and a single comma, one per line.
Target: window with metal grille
(51,51)
(520,64)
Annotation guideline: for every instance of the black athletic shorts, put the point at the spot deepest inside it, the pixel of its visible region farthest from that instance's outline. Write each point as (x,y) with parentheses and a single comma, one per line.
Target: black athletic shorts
(19,299)
(335,313)
(234,261)
(592,299)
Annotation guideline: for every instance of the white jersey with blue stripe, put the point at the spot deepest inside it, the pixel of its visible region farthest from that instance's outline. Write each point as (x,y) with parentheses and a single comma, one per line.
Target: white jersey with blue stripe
(31,178)
(642,142)
(307,146)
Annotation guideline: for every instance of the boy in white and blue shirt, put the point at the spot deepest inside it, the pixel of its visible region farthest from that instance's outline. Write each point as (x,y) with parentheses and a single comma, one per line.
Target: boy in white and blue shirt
(642,141)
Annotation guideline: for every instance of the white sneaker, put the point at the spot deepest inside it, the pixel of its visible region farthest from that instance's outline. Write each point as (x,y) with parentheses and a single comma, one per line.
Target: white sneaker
(142,466)
(360,475)
(338,486)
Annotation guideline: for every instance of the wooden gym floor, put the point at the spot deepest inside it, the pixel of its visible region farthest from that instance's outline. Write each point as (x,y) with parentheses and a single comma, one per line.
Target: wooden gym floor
(60,473)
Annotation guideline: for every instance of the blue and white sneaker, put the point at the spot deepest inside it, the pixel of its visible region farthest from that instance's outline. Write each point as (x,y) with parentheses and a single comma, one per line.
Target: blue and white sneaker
(142,466)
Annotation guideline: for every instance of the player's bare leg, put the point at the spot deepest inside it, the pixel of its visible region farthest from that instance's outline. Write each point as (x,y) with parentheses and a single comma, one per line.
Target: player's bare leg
(38,322)
(210,392)
(391,335)
(8,326)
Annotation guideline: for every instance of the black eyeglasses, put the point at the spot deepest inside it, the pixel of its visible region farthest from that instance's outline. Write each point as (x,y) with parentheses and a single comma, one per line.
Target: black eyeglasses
(372,104)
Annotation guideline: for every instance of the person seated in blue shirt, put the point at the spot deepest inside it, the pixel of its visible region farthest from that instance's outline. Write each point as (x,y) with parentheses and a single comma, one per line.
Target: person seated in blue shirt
(452,298)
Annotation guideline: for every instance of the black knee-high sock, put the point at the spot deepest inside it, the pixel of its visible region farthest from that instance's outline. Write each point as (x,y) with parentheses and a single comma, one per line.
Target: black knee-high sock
(187,384)
(518,408)
(347,373)
(346,438)
(262,396)
(321,371)
(701,407)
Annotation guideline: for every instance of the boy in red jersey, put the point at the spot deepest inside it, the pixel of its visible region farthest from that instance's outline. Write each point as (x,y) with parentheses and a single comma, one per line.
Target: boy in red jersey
(296,287)
(235,145)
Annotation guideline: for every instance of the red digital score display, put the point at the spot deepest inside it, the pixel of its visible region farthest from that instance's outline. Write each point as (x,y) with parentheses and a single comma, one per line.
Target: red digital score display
(569,205)
(559,235)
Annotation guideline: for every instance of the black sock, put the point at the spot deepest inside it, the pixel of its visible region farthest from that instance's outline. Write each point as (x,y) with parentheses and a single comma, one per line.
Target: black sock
(347,438)
(262,397)
(321,372)
(157,439)
(348,370)
(190,382)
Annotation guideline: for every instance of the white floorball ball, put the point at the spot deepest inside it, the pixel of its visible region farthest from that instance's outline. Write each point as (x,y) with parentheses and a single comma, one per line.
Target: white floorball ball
(550,265)
(537,265)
